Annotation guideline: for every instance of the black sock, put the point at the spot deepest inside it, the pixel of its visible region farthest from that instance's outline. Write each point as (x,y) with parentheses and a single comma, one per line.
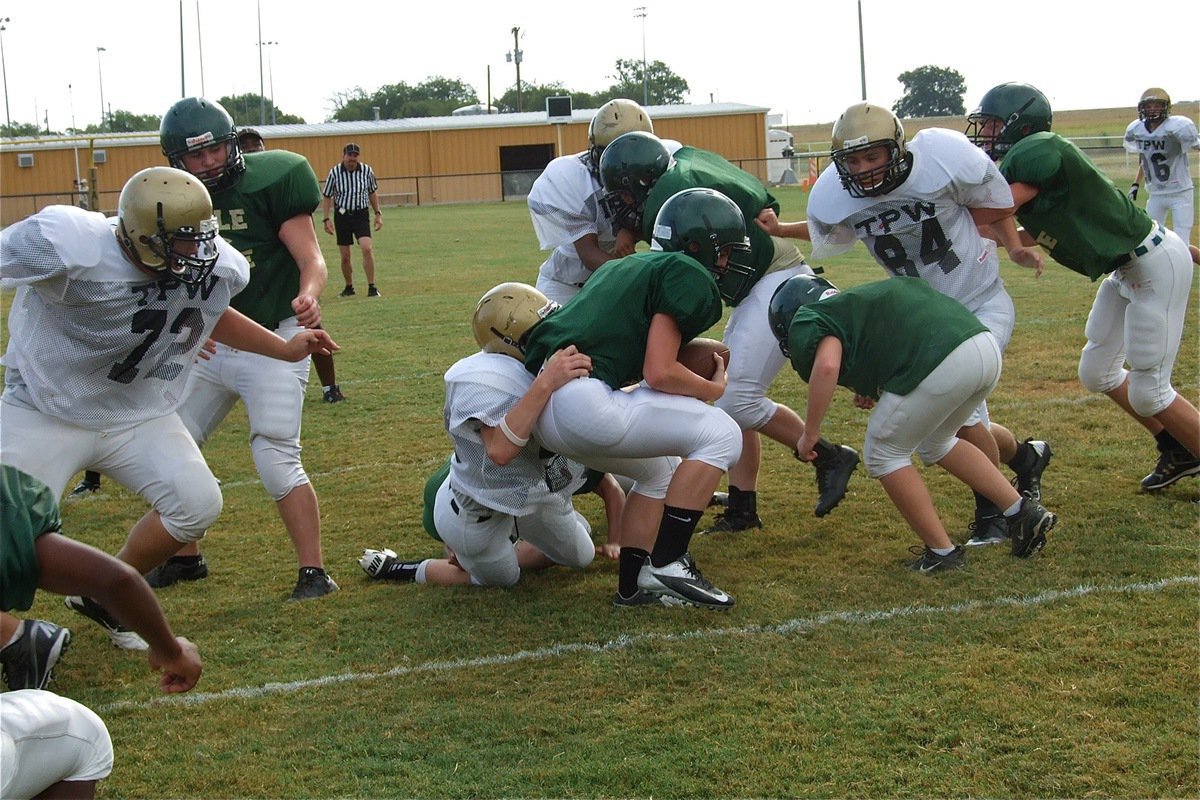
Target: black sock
(1024,459)
(188,560)
(629,564)
(370,286)
(985,507)
(1168,443)
(744,503)
(405,571)
(674,534)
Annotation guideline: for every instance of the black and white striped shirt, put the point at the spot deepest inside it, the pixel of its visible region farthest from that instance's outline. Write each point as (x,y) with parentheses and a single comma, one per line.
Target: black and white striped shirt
(350,190)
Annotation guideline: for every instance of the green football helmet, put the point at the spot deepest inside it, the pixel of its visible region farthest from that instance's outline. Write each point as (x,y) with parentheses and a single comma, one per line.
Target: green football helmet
(796,291)
(632,163)
(701,223)
(1006,115)
(861,127)
(165,224)
(195,123)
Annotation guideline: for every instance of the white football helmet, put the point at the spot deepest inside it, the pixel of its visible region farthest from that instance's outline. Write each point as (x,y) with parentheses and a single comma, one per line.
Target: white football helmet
(610,121)
(861,127)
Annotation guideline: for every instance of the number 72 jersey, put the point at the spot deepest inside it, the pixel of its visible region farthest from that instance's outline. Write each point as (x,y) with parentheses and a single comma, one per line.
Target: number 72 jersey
(93,339)
(923,228)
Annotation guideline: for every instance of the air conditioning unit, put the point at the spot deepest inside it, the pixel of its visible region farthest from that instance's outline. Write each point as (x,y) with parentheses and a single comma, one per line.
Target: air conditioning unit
(99,156)
(24,159)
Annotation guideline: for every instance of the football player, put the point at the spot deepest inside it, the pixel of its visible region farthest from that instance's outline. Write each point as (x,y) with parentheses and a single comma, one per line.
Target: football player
(924,364)
(1162,141)
(639,178)
(565,205)
(917,207)
(1069,207)
(631,318)
(105,326)
(501,485)
(265,205)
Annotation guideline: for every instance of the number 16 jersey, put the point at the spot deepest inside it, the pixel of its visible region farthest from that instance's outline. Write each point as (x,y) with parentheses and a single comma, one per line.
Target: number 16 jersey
(923,228)
(93,339)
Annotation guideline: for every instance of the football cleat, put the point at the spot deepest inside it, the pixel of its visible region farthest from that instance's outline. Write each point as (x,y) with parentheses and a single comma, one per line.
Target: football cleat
(334,394)
(313,582)
(347,292)
(682,581)
(1170,468)
(833,477)
(991,529)
(176,569)
(929,561)
(386,565)
(1028,527)
(642,598)
(28,661)
(120,636)
(732,521)
(89,485)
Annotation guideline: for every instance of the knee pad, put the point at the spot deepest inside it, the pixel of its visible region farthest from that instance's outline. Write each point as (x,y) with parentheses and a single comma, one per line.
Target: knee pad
(1098,373)
(747,405)
(195,507)
(881,458)
(278,464)
(719,441)
(1148,394)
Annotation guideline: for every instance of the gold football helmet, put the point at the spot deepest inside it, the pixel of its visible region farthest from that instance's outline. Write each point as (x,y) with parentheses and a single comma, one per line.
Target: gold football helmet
(861,127)
(611,120)
(1154,95)
(165,224)
(506,314)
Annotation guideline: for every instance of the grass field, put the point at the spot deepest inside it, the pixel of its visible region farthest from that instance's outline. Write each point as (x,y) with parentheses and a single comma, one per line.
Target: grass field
(838,673)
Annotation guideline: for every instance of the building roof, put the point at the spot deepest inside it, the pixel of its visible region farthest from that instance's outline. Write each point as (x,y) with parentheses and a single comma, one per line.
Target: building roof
(410,124)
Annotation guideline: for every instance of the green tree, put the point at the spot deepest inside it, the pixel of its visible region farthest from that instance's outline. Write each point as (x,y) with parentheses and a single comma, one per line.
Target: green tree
(435,96)
(931,91)
(245,110)
(533,97)
(121,121)
(663,86)
(21,129)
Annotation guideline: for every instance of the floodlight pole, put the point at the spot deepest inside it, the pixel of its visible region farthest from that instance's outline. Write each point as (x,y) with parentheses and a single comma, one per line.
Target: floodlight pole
(100,71)
(862,58)
(3,65)
(640,13)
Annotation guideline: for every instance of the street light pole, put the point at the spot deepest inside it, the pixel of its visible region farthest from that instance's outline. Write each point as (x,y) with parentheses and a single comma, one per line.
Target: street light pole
(100,72)
(515,57)
(3,27)
(640,13)
(271,77)
(262,102)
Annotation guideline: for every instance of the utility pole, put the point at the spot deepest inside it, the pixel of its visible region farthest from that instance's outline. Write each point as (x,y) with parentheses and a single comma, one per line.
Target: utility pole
(515,57)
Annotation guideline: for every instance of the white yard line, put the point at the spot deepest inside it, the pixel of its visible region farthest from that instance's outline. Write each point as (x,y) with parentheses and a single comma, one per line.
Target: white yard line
(786,628)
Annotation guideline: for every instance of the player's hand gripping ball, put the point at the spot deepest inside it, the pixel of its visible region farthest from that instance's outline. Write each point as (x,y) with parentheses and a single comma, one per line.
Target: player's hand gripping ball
(697,355)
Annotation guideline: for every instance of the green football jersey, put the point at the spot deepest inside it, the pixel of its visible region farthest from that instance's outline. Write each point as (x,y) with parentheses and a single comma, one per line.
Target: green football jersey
(27,510)
(276,186)
(1083,221)
(694,168)
(893,332)
(609,319)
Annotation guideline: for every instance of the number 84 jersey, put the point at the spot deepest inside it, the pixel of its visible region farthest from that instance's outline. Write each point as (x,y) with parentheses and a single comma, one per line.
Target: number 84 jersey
(922,228)
(93,339)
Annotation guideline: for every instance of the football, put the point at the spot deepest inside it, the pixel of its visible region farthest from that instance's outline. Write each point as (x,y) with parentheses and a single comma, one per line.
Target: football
(697,355)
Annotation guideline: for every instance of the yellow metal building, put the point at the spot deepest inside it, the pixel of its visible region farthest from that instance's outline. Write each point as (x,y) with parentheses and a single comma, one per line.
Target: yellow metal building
(428,160)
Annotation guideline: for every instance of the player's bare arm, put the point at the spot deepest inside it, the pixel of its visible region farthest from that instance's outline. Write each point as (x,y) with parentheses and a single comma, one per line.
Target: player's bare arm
(663,371)
(770,223)
(1001,225)
(590,252)
(504,445)
(242,333)
(300,238)
(821,385)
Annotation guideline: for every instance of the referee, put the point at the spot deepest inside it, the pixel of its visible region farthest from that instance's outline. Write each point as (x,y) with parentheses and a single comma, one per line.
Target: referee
(350,187)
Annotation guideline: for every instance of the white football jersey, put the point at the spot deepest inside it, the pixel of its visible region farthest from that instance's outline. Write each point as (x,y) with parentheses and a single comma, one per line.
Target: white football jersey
(564,204)
(923,228)
(93,339)
(1164,153)
(480,390)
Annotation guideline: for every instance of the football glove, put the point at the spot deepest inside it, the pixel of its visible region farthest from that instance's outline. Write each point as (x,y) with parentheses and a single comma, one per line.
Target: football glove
(1133,189)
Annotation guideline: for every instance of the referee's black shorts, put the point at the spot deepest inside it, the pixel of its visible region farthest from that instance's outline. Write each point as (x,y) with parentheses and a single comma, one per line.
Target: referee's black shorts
(352,225)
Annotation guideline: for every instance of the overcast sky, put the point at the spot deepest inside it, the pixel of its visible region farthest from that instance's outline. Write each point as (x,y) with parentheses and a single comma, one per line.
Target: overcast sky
(800,59)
